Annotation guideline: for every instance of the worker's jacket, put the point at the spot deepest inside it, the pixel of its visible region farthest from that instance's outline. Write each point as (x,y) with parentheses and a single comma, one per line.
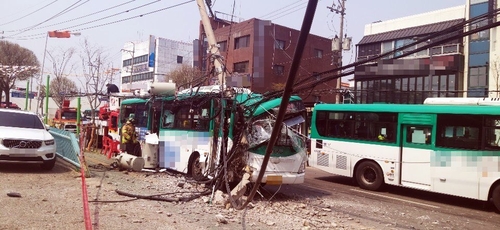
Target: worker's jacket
(128,134)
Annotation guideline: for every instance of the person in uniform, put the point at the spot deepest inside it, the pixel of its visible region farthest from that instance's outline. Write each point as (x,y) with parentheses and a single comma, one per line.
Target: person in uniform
(129,138)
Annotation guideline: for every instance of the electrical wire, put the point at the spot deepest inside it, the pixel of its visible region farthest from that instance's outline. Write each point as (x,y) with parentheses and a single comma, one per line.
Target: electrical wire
(288,12)
(113,22)
(17,19)
(67,9)
(280,9)
(77,18)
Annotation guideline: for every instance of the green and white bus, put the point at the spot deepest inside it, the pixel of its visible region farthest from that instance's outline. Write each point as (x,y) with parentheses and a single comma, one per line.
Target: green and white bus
(449,149)
(201,130)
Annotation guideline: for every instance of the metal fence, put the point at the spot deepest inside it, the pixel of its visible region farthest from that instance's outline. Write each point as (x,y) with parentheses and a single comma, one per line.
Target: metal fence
(67,145)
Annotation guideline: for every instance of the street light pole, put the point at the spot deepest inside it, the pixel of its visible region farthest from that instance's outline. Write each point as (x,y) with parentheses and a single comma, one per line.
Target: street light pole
(52,34)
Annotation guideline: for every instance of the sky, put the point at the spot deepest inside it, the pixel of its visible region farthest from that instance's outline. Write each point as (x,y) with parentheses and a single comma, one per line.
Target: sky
(112,23)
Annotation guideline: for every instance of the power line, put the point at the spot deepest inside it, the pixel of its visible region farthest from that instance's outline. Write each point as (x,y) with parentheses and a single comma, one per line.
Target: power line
(126,19)
(109,16)
(67,9)
(285,13)
(276,11)
(41,8)
(84,16)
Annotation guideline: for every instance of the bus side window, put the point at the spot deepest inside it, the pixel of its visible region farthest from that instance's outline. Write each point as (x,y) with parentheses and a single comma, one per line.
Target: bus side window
(419,134)
(168,119)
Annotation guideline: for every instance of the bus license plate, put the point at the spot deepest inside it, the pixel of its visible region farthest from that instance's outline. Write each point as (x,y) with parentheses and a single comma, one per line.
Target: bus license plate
(274,180)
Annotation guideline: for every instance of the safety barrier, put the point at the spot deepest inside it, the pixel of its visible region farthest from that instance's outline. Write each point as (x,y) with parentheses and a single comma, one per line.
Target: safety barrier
(67,146)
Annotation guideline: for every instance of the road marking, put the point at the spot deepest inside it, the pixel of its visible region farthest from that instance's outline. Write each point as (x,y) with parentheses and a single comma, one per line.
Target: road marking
(394,198)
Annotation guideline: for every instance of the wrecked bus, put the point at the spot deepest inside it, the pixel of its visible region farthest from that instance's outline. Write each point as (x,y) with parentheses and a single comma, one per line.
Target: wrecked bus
(205,134)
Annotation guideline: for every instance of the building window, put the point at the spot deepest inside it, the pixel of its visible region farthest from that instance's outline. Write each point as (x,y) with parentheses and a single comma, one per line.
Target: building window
(316,75)
(476,10)
(242,42)
(387,47)
(241,67)
(179,59)
(279,70)
(127,62)
(317,98)
(222,46)
(400,43)
(478,82)
(318,53)
(279,44)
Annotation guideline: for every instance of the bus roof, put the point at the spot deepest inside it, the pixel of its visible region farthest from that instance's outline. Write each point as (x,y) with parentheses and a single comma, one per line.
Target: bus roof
(130,101)
(274,103)
(410,108)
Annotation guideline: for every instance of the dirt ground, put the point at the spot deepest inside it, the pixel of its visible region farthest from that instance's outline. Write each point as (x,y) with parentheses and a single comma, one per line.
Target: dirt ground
(53,200)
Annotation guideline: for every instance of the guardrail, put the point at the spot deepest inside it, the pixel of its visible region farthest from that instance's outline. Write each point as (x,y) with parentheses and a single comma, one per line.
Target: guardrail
(67,146)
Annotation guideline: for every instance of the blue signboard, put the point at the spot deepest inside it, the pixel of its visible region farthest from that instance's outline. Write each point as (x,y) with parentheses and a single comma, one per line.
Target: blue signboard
(152,60)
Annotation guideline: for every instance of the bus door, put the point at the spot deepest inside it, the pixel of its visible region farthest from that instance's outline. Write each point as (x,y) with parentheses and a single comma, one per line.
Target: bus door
(416,149)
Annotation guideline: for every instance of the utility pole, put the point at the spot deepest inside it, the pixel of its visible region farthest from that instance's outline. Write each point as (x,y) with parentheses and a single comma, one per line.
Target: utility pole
(212,44)
(338,42)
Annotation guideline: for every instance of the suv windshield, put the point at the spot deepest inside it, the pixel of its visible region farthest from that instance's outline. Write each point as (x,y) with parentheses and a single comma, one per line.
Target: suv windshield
(20,120)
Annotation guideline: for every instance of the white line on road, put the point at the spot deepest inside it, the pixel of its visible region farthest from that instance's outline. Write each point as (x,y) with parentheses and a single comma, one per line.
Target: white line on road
(394,198)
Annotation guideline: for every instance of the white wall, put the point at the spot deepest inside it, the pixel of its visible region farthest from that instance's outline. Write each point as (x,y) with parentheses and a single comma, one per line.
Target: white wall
(21,102)
(447,14)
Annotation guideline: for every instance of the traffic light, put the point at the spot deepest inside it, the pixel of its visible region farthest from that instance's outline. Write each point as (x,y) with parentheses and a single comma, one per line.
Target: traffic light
(59,34)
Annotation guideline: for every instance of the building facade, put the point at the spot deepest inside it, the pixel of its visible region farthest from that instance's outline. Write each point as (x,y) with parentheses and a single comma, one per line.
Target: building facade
(258,55)
(433,72)
(149,61)
(463,66)
(481,55)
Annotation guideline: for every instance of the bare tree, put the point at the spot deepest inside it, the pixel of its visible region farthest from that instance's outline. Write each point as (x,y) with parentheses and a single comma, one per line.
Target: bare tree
(97,71)
(62,88)
(60,69)
(278,86)
(16,63)
(183,76)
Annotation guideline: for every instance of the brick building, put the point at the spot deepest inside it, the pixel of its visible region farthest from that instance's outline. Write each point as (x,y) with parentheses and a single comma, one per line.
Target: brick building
(258,55)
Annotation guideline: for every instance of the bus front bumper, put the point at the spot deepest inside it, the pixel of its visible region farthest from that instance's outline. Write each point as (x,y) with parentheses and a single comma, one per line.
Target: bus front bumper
(279,179)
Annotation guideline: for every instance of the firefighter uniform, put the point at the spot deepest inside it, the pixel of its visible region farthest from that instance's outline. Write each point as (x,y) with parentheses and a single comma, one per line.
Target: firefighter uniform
(129,138)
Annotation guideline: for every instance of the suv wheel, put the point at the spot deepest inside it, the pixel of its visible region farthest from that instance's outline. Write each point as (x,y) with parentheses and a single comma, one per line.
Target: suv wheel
(48,165)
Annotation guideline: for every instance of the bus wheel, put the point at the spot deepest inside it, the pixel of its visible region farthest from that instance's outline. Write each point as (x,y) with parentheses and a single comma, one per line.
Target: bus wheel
(496,197)
(369,176)
(195,167)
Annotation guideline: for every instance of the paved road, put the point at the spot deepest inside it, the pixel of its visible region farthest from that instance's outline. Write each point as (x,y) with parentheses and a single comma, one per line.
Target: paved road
(394,206)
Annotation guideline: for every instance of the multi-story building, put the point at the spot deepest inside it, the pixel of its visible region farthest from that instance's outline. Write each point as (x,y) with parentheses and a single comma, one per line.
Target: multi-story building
(258,54)
(152,60)
(463,67)
(434,72)
(482,63)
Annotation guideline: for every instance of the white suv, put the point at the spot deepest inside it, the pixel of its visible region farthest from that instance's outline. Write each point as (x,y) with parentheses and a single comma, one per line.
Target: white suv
(24,138)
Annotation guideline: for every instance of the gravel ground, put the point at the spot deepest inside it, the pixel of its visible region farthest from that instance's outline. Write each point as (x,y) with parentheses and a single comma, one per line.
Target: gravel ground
(53,200)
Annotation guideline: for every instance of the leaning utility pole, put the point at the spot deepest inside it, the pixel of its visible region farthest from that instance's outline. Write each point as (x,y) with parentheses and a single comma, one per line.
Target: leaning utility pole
(212,44)
(338,42)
